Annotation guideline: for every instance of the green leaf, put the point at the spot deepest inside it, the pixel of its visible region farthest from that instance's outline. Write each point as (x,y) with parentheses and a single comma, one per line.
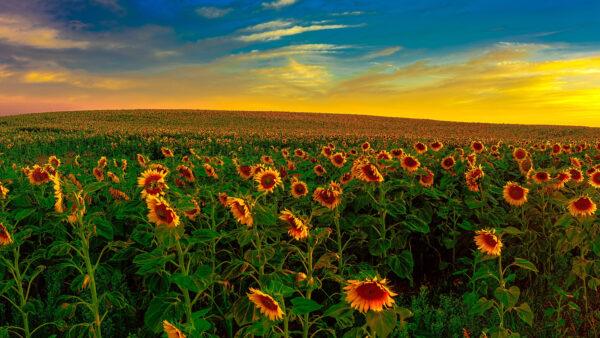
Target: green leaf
(473,203)
(512,231)
(184,282)
(243,311)
(342,313)
(525,264)
(202,235)
(162,308)
(574,306)
(382,323)
(402,264)
(482,305)
(303,306)
(95,186)
(415,223)
(103,228)
(524,312)
(507,297)
(22,214)
(151,262)
(377,247)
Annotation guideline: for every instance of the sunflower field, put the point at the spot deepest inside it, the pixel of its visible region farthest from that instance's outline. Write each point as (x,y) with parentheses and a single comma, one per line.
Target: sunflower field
(240,224)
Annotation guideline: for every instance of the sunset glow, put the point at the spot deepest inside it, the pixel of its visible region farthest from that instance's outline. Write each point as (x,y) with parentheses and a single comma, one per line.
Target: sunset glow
(515,62)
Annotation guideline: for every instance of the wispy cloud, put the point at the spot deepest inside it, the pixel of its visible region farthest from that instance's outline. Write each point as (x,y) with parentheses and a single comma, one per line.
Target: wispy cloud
(269,25)
(287,51)
(279,33)
(348,13)
(21,31)
(380,53)
(213,12)
(277,4)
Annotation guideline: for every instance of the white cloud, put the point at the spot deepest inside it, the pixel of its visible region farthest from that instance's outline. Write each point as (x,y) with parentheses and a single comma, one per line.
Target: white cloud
(277,4)
(21,31)
(278,33)
(270,25)
(383,52)
(348,13)
(304,49)
(213,12)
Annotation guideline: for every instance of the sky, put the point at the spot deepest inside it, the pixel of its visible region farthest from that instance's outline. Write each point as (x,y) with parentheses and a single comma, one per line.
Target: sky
(532,62)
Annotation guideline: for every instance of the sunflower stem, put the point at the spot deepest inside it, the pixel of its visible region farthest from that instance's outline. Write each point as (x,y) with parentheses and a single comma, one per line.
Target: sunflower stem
(309,283)
(185,292)
(85,239)
(336,220)
(383,212)
(23,299)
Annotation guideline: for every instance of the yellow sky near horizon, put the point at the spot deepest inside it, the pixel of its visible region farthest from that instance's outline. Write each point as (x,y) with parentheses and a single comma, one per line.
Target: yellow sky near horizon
(500,84)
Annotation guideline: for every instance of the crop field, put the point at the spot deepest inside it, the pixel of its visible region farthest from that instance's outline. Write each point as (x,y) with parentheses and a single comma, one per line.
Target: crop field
(239,224)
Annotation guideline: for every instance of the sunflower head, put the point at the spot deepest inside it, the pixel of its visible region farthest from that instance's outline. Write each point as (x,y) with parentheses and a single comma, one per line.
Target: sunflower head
(267,305)
(595,179)
(240,210)
(268,180)
(487,242)
(515,194)
(161,213)
(153,183)
(582,206)
(298,230)
(338,160)
(166,152)
(409,163)
(172,331)
(5,238)
(426,180)
(448,162)
(299,188)
(369,295)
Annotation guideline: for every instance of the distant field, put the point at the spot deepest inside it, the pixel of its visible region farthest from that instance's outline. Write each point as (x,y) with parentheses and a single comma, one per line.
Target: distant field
(241,224)
(222,123)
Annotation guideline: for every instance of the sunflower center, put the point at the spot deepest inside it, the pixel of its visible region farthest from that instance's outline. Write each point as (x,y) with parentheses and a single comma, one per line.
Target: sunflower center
(410,162)
(489,240)
(516,192)
(370,291)
(163,213)
(268,303)
(583,203)
(268,181)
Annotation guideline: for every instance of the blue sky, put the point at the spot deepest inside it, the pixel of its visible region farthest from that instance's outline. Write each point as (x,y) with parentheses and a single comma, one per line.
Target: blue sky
(370,57)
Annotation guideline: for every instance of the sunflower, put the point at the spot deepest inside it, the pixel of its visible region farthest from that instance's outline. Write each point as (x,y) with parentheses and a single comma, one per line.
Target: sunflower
(257,168)
(58,194)
(365,146)
(3,190)
(141,160)
(299,153)
(223,198)
(577,163)
(210,171)
(113,177)
(487,242)
(291,165)
(519,154)
(102,162)
(576,175)
(338,160)
(426,180)
(267,160)
(77,208)
(161,213)
(326,151)
(397,153)
(347,177)
(192,213)
(594,180)
(186,173)
(525,165)
(298,230)
(37,175)
(268,180)
(75,181)
(582,206)
(384,155)
(5,238)
(319,170)
(299,188)
(448,162)
(409,163)
(515,194)
(420,147)
(118,194)
(556,149)
(159,167)
(436,146)
(153,183)
(266,304)
(471,159)
(166,152)
(473,176)
(245,171)
(477,146)
(54,161)
(98,174)
(172,331)
(240,210)
(369,294)
(561,179)
(367,172)
(327,197)
(541,176)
